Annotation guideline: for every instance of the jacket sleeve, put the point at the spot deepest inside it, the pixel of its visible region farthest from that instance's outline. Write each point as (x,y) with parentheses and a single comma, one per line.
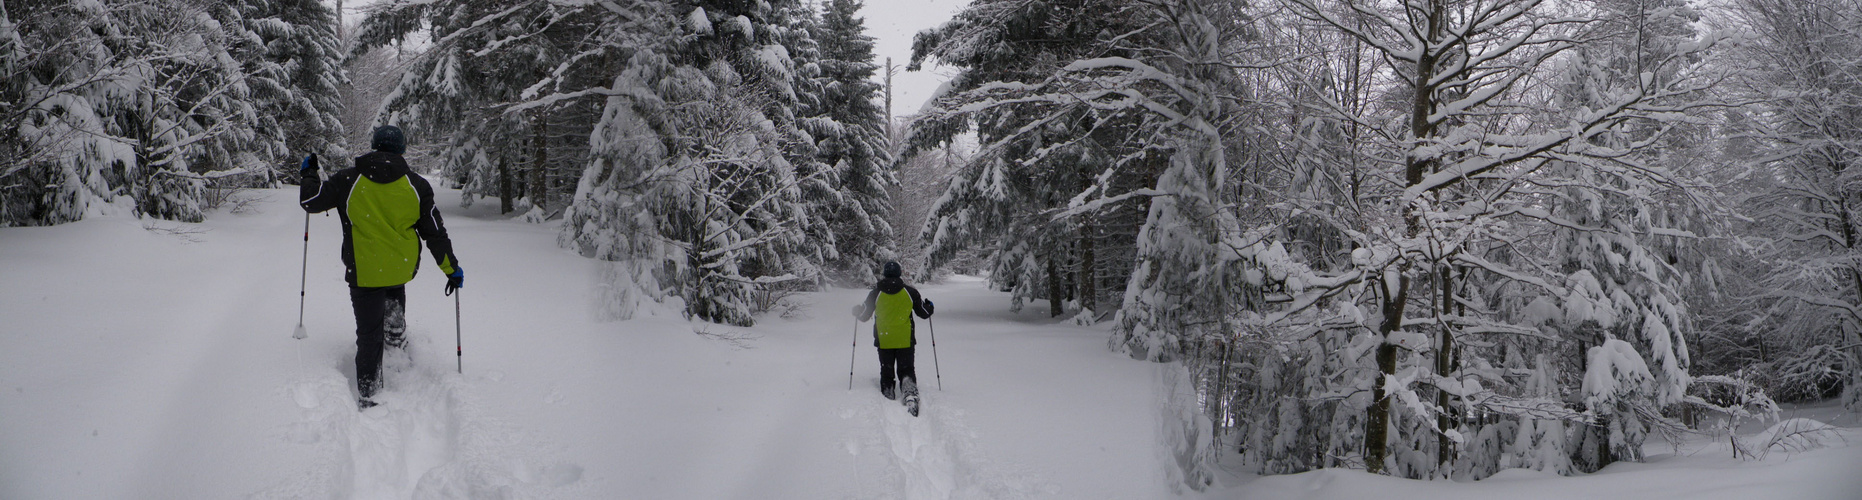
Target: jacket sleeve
(918,304)
(315,195)
(432,229)
(866,308)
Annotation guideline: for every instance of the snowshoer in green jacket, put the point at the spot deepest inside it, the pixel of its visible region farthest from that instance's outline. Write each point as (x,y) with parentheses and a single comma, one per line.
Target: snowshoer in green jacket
(894,332)
(386,210)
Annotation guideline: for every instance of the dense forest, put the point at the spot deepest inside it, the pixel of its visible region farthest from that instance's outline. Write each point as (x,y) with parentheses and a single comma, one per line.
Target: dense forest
(1425,238)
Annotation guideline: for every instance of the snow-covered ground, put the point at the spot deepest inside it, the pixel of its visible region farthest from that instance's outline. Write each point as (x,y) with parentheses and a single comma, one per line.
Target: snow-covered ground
(143,364)
(154,360)
(1702,469)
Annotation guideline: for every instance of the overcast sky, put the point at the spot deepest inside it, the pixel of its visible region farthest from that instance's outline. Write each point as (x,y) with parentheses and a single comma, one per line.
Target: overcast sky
(890,22)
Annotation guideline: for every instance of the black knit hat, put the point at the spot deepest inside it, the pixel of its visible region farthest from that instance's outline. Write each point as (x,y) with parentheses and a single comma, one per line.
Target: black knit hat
(891,269)
(388,138)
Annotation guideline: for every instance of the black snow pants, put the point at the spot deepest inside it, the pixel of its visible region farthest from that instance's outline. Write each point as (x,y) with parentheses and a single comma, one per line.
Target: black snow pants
(895,370)
(379,313)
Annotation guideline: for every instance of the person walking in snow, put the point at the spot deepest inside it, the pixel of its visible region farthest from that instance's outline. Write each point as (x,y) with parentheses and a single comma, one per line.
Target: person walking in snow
(894,331)
(387,210)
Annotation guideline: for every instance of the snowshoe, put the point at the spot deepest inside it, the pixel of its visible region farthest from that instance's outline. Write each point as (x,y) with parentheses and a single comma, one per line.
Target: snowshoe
(364,404)
(889,393)
(911,404)
(395,341)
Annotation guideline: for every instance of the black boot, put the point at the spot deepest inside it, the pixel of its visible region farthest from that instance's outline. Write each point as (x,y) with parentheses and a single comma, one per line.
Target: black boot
(394,327)
(365,389)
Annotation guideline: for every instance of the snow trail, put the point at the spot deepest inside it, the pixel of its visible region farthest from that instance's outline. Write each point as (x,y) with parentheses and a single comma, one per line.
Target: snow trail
(424,439)
(413,430)
(931,456)
(140,365)
(926,459)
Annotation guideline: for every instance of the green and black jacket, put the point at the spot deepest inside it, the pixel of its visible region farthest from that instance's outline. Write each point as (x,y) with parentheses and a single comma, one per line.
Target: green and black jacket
(893,303)
(386,211)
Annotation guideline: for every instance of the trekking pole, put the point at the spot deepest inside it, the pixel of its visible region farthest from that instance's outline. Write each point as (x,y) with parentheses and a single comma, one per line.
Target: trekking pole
(934,366)
(458,337)
(851,351)
(302,278)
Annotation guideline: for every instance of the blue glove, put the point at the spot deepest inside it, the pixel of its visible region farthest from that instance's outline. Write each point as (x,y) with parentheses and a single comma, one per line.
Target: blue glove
(456,280)
(930,308)
(308,167)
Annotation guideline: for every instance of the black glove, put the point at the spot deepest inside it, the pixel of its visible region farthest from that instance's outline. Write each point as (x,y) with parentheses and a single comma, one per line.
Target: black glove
(308,167)
(930,308)
(456,280)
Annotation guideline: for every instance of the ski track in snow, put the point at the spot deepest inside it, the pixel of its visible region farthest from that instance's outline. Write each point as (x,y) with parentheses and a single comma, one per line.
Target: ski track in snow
(424,440)
(931,456)
(414,430)
(923,456)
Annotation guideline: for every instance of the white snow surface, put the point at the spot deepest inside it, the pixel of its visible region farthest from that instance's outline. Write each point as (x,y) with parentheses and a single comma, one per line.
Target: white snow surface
(1702,469)
(155,360)
(140,364)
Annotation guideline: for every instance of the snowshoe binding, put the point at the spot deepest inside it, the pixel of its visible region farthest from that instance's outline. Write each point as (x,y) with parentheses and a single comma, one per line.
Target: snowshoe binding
(364,404)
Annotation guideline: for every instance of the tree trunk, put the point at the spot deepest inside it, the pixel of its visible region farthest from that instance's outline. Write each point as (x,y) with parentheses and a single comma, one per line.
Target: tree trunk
(1377,423)
(1422,105)
(1089,271)
(140,182)
(1849,244)
(539,192)
(1445,365)
(1070,279)
(504,185)
(890,70)
(1053,288)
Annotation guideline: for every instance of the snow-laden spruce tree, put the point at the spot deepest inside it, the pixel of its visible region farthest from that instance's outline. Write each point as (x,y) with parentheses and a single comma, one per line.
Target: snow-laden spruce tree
(1042,148)
(1081,110)
(850,138)
(140,99)
(678,123)
(691,187)
(483,58)
(1629,221)
(55,152)
(291,53)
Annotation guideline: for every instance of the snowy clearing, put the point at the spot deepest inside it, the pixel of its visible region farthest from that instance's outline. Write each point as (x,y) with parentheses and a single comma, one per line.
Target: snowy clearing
(154,360)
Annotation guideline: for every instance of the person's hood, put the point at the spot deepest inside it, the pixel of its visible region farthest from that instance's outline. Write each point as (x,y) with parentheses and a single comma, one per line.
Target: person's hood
(891,285)
(382,167)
